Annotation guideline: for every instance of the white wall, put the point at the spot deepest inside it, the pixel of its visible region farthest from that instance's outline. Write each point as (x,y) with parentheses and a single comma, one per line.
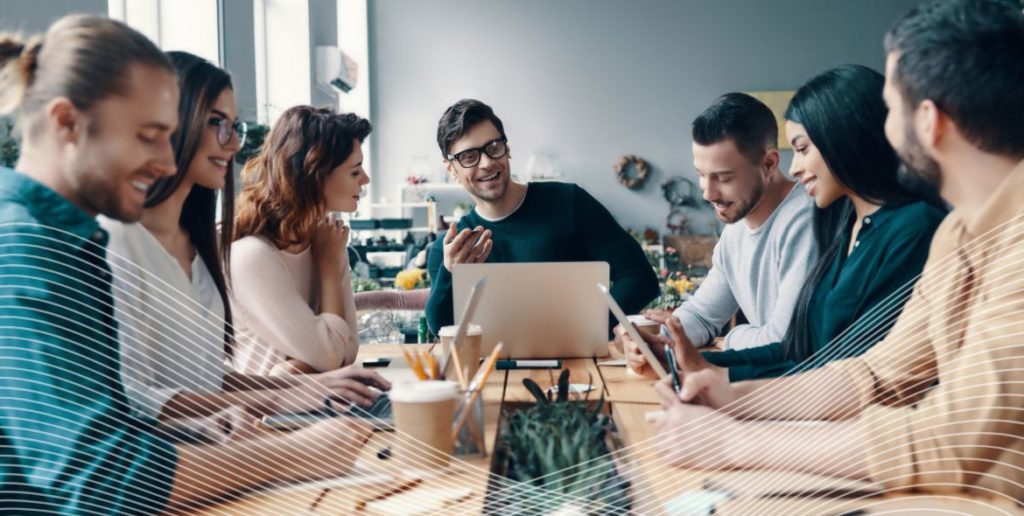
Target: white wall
(591,80)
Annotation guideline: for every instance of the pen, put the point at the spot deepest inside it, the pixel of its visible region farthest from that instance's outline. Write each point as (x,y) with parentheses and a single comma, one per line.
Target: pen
(673,370)
(528,364)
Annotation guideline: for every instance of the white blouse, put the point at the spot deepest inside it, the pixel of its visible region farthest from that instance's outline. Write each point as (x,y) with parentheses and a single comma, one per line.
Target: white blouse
(171,329)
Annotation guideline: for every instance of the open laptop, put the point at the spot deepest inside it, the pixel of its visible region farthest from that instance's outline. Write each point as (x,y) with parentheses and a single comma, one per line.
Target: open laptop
(539,310)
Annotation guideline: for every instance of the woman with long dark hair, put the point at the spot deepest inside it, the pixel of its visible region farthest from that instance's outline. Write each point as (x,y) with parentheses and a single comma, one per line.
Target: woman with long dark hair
(873,232)
(170,288)
(290,271)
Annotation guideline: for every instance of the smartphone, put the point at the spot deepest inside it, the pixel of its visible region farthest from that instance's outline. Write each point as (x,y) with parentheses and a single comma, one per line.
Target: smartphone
(376,362)
(474,235)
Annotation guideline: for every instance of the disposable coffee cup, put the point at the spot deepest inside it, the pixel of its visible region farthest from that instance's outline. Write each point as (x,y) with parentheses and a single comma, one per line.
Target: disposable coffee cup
(469,351)
(424,413)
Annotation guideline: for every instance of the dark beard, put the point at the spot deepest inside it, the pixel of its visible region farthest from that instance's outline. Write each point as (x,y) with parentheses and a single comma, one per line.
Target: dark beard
(918,172)
(920,183)
(746,205)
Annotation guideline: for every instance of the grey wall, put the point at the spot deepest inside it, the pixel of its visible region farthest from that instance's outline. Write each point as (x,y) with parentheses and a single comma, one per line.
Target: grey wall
(32,16)
(240,54)
(591,80)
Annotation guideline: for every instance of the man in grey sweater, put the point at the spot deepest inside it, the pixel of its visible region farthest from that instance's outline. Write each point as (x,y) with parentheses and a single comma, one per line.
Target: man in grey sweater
(767,248)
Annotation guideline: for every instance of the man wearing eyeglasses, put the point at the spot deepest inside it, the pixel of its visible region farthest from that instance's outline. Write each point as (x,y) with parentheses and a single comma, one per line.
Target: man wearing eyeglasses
(517,222)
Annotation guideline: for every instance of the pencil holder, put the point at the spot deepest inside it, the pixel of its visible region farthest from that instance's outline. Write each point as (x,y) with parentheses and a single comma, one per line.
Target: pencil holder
(470,440)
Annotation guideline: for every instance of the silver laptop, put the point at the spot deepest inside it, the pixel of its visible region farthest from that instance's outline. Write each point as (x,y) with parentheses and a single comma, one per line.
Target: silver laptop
(539,310)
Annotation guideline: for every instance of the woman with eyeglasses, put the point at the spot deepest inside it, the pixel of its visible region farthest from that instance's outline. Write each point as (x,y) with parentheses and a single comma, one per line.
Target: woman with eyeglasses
(170,290)
(290,273)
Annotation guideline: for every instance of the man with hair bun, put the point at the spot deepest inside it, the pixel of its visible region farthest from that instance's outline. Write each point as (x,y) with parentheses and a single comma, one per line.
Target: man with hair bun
(97,105)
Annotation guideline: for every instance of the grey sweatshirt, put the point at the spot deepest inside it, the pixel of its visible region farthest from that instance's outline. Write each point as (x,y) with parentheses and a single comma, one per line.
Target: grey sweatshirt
(759,271)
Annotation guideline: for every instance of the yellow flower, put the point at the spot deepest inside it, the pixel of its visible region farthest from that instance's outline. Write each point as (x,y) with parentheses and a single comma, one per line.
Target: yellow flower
(681,285)
(409,279)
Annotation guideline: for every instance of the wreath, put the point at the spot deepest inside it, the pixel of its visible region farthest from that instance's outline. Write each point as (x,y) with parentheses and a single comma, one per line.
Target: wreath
(677,222)
(680,191)
(622,171)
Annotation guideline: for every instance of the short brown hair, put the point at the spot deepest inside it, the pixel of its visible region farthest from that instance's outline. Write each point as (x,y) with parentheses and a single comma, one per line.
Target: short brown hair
(83,58)
(459,118)
(739,117)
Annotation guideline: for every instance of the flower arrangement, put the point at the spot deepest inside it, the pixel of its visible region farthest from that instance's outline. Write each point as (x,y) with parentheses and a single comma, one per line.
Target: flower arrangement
(676,286)
(679,283)
(412,278)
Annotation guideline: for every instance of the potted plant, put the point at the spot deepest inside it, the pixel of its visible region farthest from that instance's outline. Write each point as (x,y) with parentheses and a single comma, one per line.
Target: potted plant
(8,143)
(556,454)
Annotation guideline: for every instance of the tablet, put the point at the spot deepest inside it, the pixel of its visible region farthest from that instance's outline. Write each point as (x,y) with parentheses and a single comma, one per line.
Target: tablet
(464,322)
(652,359)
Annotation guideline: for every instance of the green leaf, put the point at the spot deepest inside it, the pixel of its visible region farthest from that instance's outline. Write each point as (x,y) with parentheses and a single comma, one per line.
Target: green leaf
(535,390)
(563,386)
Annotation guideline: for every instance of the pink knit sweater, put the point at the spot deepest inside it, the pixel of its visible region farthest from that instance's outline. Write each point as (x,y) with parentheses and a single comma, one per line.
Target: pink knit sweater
(275,305)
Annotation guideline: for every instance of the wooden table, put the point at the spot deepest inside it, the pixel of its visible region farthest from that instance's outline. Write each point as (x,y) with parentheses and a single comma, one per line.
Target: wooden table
(629,400)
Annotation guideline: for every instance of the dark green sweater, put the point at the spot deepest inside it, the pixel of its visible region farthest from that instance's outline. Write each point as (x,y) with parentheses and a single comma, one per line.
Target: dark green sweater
(890,252)
(557,222)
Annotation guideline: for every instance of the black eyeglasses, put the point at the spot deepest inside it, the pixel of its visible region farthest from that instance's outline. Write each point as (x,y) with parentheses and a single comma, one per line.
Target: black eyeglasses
(494,149)
(225,128)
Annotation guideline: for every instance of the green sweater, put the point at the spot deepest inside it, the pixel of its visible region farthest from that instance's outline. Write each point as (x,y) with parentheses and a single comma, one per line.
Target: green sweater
(557,222)
(68,441)
(858,299)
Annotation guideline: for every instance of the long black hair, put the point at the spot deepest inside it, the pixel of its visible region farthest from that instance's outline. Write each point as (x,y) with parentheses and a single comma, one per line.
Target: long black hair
(201,83)
(844,115)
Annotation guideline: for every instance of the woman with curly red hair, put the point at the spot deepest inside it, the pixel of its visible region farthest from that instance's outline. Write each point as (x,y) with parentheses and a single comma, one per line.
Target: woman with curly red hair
(291,281)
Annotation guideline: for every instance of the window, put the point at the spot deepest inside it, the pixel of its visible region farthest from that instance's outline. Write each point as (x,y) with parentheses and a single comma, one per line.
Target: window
(189,25)
(282,56)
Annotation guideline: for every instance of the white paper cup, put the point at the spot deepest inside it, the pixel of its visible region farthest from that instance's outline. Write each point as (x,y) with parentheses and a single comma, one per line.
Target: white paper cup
(469,351)
(424,413)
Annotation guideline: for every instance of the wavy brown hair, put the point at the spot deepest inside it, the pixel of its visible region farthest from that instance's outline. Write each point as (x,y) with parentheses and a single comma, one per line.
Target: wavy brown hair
(282,186)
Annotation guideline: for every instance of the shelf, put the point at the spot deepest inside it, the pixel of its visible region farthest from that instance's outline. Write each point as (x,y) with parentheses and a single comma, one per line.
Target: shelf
(434,186)
(400,205)
(420,229)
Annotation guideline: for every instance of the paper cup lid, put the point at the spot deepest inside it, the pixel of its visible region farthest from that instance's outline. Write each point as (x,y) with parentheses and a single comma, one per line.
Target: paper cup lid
(450,331)
(428,391)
